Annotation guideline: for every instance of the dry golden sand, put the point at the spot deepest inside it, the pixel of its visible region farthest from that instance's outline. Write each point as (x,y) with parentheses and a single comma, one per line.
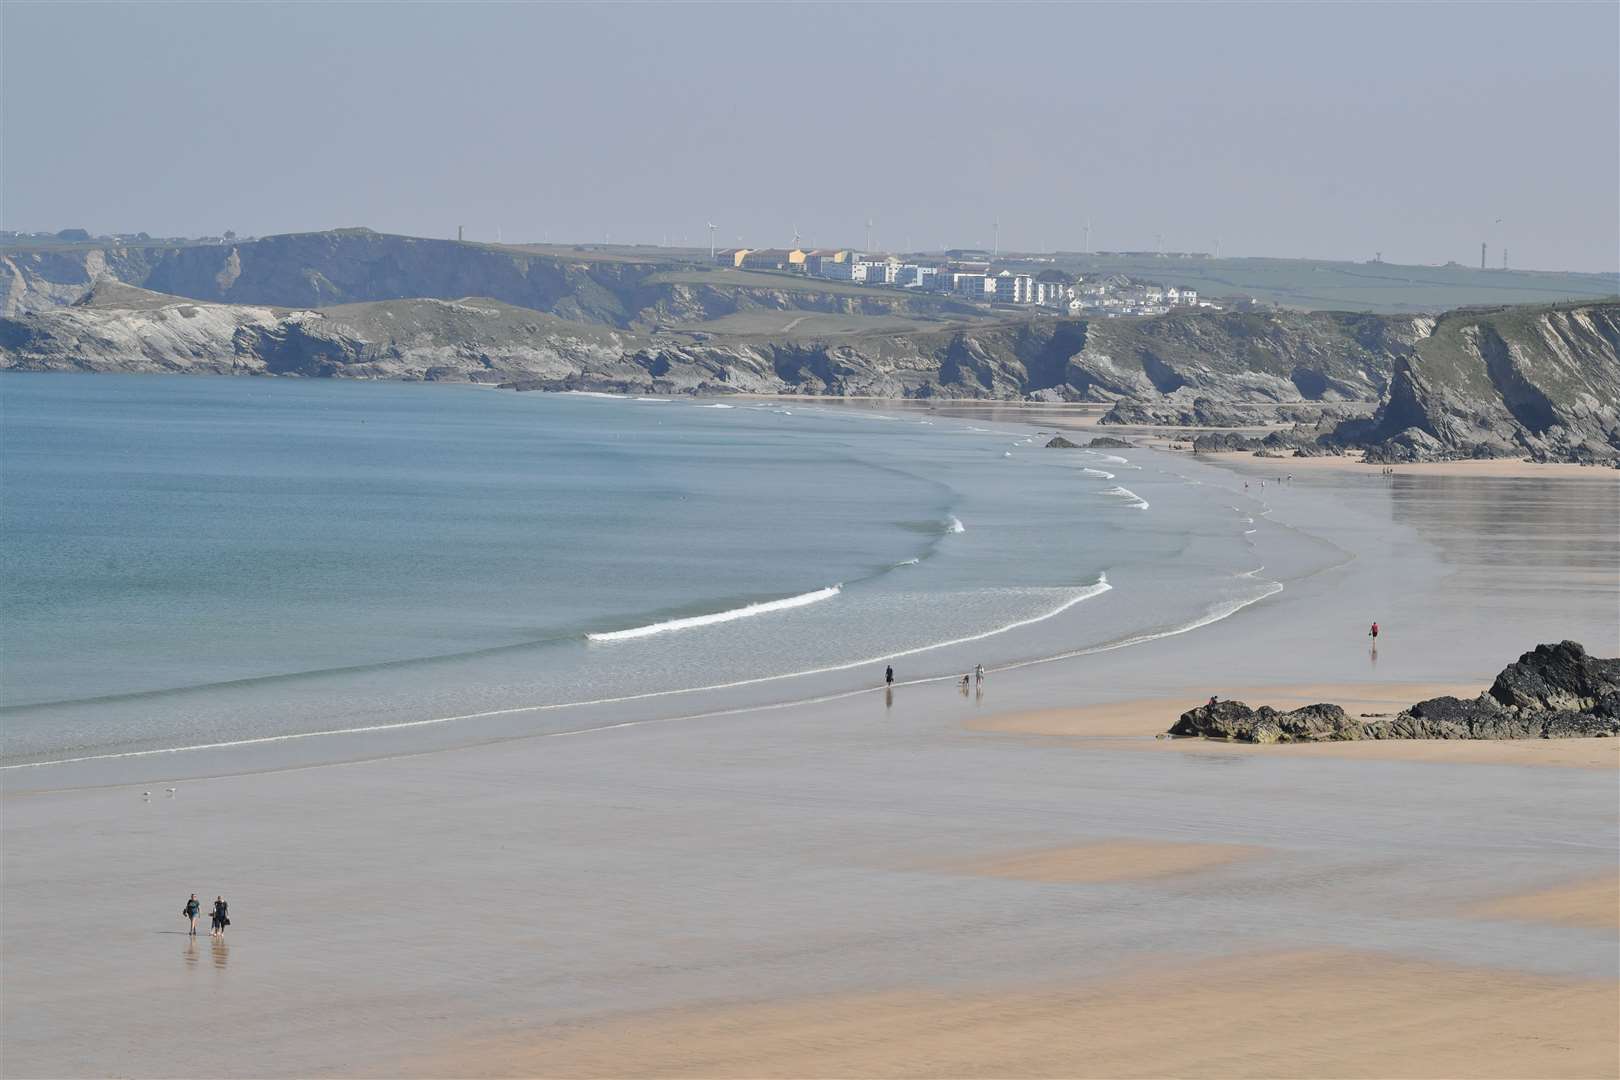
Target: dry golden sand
(1112,860)
(1132,721)
(1291,1015)
(1594,903)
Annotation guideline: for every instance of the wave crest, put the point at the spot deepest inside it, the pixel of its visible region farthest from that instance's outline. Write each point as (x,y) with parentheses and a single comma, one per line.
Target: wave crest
(1126,493)
(746,611)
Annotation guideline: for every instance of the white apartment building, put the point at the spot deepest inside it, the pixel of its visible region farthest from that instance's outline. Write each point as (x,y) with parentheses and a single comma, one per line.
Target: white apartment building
(1016,288)
(882,273)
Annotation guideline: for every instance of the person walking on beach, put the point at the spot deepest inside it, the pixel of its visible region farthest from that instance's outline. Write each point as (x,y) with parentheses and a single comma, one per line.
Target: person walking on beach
(978,674)
(221,917)
(1373,633)
(193,906)
(888,675)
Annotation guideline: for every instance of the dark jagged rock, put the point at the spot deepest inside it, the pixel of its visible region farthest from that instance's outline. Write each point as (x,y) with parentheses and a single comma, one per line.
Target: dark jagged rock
(1058,442)
(1236,721)
(1557,677)
(1220,720)
(1223,441)
(1553,692)
(1108,442)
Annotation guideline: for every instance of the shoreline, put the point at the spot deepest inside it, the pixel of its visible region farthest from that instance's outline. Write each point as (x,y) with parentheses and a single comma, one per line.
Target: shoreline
(1085,416)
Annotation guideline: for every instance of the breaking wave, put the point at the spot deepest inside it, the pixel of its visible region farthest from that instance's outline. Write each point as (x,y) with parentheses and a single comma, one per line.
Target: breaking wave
(1126,493)
(744,612)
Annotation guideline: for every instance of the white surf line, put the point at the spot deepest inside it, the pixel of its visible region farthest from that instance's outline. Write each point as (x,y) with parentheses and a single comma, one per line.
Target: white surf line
(1214,615)
(745,612)
(1086,592)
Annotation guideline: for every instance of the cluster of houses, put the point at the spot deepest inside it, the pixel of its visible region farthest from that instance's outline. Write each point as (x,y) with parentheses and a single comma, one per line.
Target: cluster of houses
(971,280)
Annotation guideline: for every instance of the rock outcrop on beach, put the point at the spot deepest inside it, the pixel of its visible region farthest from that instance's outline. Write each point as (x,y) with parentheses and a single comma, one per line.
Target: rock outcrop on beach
(1553,692)
(1058,442)
(1108,442)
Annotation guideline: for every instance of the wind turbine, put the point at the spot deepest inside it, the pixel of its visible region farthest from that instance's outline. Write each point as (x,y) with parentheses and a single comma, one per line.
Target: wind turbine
(796,237)
(712,226)
(869,235)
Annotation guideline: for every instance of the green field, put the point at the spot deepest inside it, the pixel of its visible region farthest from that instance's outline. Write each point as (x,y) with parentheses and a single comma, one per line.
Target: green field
(1322,285)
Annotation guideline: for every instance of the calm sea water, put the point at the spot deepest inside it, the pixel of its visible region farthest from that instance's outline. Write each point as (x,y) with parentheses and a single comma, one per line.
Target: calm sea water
(198,561)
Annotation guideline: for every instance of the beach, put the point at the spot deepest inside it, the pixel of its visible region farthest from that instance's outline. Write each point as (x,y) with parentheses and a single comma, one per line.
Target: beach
(1020,880)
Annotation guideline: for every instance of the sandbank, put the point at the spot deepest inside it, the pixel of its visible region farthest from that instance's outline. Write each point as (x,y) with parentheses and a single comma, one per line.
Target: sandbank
(1279,1015)
(1111,860)
(1134,725)
(1592,902)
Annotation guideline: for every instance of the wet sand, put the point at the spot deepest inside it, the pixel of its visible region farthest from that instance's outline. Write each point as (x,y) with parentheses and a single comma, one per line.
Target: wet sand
(1594,902)
(1117,860)
(1290,1015)
(1137,724)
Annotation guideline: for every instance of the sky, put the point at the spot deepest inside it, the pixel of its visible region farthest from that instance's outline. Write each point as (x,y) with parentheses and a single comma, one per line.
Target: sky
(1321,130)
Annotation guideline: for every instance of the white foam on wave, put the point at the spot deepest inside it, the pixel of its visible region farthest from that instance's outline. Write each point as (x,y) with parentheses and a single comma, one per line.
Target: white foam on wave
(954,525)
(591,393)
(654,400)
(1082,593)
(716,405)
(1212,614)
(1097,472)
(1115,458)
(908,562)
(745,612)
(1126,493)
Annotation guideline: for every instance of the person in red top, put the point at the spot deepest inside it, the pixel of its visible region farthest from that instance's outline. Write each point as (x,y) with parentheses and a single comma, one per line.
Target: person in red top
(1373,633)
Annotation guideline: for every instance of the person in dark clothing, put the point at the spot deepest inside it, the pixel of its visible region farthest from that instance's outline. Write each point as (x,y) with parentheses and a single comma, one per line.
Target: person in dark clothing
(888,675)
(1373,633)
(193,906)
(221,918)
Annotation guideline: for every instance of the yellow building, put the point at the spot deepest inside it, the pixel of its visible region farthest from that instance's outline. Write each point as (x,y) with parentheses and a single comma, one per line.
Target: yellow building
(732,256)
(772,259)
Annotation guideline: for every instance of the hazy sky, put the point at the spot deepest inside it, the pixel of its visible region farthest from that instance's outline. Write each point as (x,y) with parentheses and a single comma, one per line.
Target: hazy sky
(1327,130)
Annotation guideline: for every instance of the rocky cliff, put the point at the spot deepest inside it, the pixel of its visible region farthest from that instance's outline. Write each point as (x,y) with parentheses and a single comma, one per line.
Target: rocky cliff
(1537,381)
(323,269)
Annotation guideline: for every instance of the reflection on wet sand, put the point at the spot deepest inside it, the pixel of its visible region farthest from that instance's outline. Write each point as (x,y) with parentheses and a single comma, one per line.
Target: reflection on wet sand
(222,953)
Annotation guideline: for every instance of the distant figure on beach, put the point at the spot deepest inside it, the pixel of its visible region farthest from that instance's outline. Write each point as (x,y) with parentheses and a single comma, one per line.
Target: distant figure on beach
(1373,633)
(978,673)
(193,906)
(888,675)
(964,684)
(221,918)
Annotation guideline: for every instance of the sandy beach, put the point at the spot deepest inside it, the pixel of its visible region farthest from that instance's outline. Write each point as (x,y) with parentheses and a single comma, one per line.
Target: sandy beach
(1344,1015)
(1019,881)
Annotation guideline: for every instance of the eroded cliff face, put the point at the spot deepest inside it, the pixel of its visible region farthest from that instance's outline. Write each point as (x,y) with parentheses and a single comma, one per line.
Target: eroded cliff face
(315,270)
(1244,357)
(1542,381)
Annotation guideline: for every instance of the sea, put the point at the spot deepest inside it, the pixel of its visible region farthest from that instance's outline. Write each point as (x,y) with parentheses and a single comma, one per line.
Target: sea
(210,562)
